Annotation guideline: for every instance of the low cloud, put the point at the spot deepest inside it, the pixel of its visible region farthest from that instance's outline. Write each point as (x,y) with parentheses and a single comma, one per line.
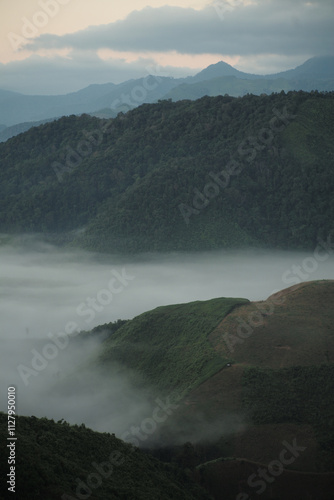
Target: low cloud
(266,36)
(43,288)
(265,27)
(39,75)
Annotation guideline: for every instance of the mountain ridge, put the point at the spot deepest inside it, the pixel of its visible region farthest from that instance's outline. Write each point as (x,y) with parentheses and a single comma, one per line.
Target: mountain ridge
(241,401)
(241,419)
(162,158)
(15,108)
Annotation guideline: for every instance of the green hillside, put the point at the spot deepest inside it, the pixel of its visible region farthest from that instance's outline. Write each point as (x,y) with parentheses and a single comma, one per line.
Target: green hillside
(137,182)
(169,345)
(279,385)
(281,353)
(252,378)
(57,461)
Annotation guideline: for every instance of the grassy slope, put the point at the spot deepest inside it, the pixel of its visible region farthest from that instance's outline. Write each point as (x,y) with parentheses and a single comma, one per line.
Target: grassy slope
(169,345)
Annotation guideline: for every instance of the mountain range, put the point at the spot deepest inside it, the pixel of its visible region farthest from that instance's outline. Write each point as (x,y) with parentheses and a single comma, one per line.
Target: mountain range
(19,112)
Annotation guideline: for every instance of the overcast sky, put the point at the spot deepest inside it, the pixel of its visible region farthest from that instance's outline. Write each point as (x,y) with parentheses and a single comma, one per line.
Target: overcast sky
(59,46)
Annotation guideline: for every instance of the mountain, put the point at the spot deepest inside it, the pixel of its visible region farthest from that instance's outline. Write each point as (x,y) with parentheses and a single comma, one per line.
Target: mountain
(16,108)
(316,73)
(249,377)
(233,86)
(253,416)
(218,79)
(8,132)
(319,68)
(180,347)
(219,172)
(219,69)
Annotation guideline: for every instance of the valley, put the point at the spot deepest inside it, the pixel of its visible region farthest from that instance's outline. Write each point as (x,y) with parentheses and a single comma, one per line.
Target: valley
(216,388)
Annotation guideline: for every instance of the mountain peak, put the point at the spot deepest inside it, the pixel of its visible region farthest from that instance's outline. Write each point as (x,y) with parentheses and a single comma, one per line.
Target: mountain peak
(320,67)
(219,69)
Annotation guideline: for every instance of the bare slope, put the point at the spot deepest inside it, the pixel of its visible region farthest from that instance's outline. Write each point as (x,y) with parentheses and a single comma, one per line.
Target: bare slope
(292,327)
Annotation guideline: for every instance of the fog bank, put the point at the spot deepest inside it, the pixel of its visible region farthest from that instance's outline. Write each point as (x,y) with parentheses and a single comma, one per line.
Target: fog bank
(47,293)
(43,289)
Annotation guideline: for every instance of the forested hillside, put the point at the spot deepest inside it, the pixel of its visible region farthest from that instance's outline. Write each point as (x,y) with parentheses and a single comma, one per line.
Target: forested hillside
(213,173)
(59,461)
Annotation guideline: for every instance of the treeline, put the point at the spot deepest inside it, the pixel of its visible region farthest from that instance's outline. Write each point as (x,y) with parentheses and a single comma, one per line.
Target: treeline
(213,173)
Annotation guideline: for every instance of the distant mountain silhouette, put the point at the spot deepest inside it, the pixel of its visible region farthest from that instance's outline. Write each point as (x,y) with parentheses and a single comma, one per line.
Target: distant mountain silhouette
(220,69)
(109,99)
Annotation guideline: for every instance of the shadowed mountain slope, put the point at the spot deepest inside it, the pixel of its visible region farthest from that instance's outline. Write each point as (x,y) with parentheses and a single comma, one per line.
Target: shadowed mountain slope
(59,461)
(219,172)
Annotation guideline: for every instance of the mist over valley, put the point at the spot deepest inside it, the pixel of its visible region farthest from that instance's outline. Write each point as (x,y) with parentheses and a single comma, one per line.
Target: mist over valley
(48,295)
(50,286)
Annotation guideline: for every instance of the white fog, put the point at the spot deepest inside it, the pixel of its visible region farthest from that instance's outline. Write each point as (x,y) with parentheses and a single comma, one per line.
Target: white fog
(45,292)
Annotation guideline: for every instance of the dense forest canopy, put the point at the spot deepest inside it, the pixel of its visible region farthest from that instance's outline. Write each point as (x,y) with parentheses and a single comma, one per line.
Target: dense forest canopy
(213,173)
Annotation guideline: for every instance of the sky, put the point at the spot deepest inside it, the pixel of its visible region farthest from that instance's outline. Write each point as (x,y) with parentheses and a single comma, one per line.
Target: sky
(60,46)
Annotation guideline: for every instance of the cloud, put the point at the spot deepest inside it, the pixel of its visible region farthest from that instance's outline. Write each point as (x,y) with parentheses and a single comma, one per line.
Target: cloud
(42,287)
(41,75)
(265,27)
(267,64)
(60,75)
(264,36)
